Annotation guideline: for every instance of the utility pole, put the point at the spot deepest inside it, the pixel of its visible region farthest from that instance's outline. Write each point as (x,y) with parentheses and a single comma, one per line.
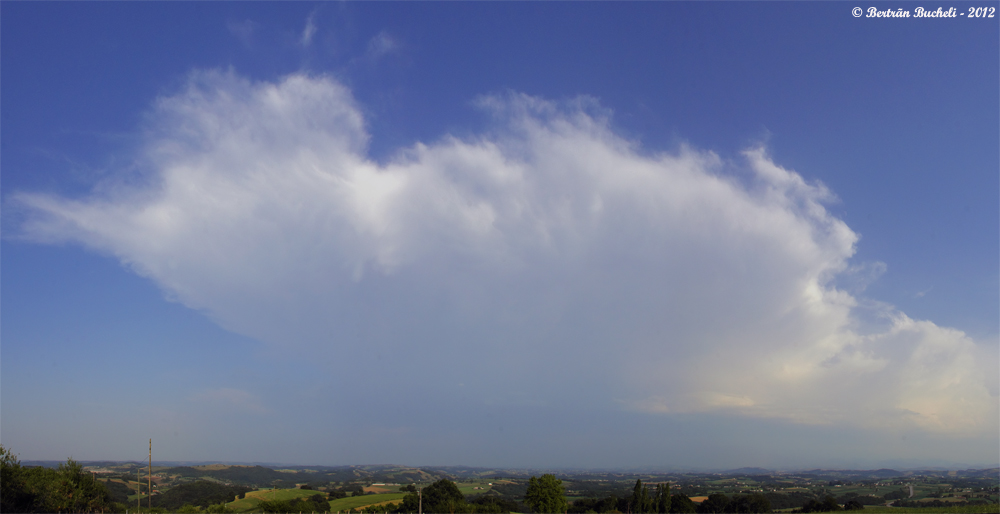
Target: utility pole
(138,487)
(420,500)
(149,475)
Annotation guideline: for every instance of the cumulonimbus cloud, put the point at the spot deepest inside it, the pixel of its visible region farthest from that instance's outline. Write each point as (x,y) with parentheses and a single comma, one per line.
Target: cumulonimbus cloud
(680,282)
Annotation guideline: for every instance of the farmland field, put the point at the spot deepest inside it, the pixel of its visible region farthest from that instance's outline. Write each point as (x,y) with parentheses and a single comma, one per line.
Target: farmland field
(381,489)
(255,497)
(354,502)
(468,488)
(968,509)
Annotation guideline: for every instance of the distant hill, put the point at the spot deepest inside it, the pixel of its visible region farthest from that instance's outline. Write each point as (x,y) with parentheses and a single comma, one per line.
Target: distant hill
(750,471)
(200,493)
(244,475)
(984,473)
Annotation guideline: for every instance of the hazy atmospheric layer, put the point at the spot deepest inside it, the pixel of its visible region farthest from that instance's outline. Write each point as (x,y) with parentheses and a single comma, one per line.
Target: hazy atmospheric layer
(545,270)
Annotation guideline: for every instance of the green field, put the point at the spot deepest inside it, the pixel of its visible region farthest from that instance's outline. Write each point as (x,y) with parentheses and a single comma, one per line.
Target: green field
(355,502)
(970,509)
(255,497)
(468,488)
(344,504)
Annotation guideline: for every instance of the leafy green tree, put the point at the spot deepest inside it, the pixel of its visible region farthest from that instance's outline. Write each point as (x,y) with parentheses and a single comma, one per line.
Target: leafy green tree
(14,493)
(681,503)
(714,504)
(829,504)
(441,497)
(854,505)
(753,503)
(546,495)
(640,501)
(488,503)
(200,493)
(66,489)
(275,506)
(71,489)
(315,503)
(661,500)
(584,505)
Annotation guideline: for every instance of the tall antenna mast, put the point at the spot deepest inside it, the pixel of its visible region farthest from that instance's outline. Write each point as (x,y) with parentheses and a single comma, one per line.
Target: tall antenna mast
(149,474)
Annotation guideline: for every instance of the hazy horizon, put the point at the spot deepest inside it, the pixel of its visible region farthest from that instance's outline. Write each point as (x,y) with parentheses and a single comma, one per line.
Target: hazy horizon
(646,469)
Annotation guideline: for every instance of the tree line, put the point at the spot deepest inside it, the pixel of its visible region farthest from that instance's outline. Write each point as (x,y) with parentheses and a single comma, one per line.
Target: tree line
(66,489)
(660,500)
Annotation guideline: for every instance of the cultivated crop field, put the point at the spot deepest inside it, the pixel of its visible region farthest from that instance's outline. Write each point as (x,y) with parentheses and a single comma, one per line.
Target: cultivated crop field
(468,488)
(356,502)
(255,497)
(968,509)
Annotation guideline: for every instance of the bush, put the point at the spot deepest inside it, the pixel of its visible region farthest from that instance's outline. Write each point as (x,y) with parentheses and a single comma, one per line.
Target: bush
(854,505)
(829,504)
(66,489)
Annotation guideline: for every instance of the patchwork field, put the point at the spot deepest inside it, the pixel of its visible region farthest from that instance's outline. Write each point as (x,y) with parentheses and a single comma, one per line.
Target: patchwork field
(969,509)
(381,489)
(357,502)
(255,497)
(473,487)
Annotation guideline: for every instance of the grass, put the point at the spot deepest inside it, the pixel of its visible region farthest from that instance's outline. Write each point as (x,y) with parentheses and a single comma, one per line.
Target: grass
(355,502)
(344,504)
(467,488)
(255,497)
(968,509)
(382,489)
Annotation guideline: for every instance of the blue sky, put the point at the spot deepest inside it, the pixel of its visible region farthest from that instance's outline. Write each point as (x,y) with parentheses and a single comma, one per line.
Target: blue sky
(674,235)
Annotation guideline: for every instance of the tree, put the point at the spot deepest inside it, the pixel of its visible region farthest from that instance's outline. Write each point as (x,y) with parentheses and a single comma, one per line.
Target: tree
(78,491)
(716,503)
(546,495)
(314,503)
(441,497)
(14,493)
(661,500)
(829,504)
(681,503)
(200,493)
(854,505)
(488,503)
(753,503)
(640,502)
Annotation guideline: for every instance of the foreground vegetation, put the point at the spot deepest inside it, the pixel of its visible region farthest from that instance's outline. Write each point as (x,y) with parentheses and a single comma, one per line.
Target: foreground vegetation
(115,487)
(67,488)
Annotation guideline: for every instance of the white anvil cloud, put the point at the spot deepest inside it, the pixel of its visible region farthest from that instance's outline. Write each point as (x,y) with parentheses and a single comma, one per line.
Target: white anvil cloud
(551,248)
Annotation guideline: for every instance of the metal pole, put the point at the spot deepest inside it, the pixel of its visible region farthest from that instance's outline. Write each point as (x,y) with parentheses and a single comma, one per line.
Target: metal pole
(138,487)
(420,500)
(149,475)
